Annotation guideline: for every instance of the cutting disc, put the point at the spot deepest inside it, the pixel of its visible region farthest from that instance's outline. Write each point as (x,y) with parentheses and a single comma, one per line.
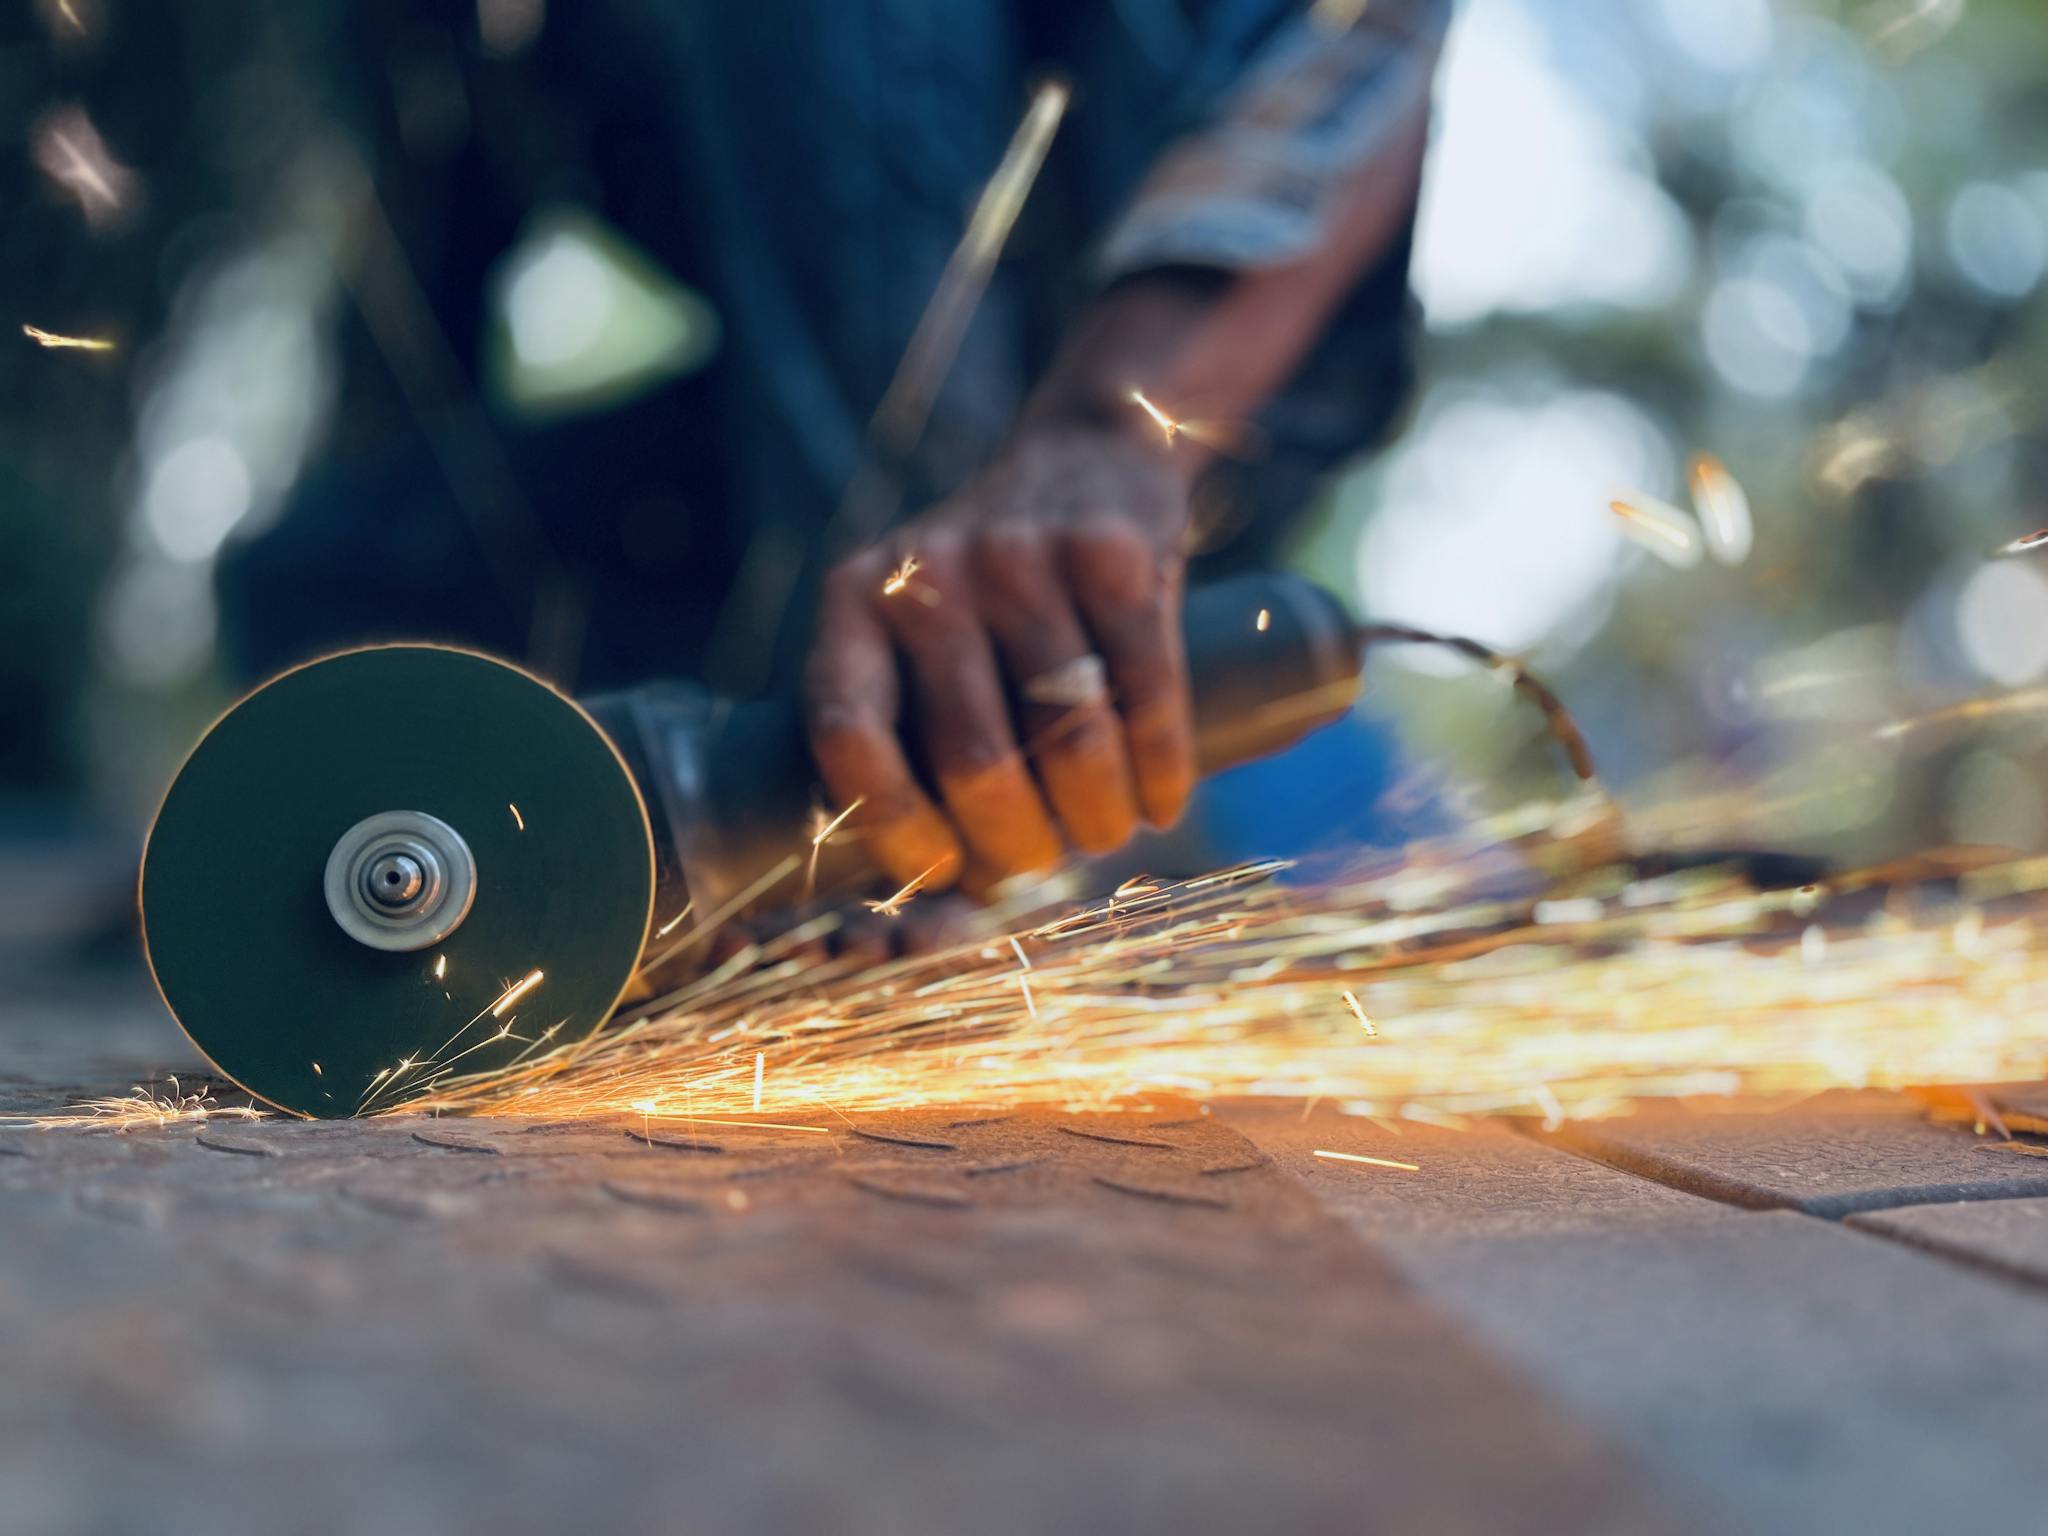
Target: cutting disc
(249,932)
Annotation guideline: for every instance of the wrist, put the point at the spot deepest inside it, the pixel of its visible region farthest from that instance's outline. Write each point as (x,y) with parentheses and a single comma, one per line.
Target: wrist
(1132,341)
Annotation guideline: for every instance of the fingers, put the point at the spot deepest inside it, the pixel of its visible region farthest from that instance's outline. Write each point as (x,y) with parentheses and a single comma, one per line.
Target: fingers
(1130,599)
(963,719)
(851,710)
(1077,750)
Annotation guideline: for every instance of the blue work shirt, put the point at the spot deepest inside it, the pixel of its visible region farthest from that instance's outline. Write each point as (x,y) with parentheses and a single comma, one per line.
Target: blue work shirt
(809,167)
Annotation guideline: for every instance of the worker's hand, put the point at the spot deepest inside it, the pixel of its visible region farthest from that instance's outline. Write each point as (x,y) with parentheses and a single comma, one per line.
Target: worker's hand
(976,665)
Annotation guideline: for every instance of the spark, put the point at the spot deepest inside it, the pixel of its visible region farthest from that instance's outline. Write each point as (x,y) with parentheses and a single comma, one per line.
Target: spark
(1358,1012)
(2024,544)
(822,830)
(673,923)
(317,1072)
(146,1107)
(1165,422)
(760,1069)
(764,1125)
(440,967)
(892,906)
(513,993)
(518,820)
(900,577)
(2020,701)
(68,149)
(1264,621)
(43,338)
(1686,984)
(1723,507)
(1360,1157)
(906,404)
(1660,528)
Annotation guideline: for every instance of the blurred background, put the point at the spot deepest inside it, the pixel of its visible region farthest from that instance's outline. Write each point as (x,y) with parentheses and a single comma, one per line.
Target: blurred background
(1808,238)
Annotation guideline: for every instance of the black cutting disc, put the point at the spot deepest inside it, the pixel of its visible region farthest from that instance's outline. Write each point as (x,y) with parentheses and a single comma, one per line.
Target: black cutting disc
(236,918)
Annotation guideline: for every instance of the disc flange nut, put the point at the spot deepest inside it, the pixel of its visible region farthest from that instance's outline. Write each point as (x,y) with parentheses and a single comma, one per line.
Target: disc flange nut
(400,880)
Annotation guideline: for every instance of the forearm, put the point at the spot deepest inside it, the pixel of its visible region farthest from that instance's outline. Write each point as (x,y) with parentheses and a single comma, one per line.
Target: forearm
(1216,344)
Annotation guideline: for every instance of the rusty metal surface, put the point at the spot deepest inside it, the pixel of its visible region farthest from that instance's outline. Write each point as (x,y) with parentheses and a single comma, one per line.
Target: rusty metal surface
(912,1323)
(953,1320)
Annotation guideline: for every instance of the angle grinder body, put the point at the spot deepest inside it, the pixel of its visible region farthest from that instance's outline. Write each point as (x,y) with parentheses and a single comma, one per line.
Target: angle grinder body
(408,862)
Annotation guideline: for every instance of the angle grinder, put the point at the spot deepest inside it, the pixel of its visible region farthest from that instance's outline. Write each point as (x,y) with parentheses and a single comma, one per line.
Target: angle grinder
(412,860)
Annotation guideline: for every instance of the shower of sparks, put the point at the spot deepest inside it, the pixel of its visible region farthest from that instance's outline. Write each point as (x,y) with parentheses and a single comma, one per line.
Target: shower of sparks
(516,991)
(69,151)
(43,338)
(1360,1157)
(1660,528)
(1165,422)
(899,578)
(518,820)
(147,1108)
(1723,507)
(1694,983)
(2025,544)
(892,906)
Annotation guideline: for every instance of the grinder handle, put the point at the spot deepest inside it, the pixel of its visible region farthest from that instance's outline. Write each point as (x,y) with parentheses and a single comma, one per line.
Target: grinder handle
(1271,656)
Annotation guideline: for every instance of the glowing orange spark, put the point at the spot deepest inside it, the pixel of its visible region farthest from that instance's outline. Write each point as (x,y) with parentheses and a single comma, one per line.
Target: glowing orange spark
(1264,621)
(514,992)
(1360,1157)
(1723,507)
(316,1070)
(518,820)
(900,577)
(892,906)
(671,925)
(2024,543)
(1660,528)
(1165,422)
(43,338)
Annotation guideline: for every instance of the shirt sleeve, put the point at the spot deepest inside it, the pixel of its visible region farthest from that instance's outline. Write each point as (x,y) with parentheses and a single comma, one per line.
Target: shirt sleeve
(1256,185)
